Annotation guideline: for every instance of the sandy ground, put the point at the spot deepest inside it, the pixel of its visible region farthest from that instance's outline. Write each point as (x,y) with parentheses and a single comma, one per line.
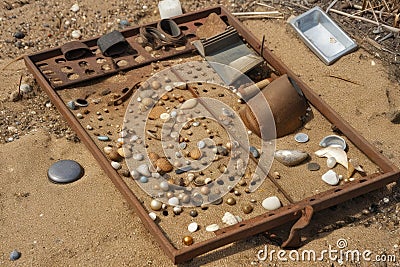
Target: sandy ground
(88,223)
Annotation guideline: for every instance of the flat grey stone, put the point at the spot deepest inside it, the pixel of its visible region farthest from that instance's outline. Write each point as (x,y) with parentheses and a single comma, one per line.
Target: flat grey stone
(65,171)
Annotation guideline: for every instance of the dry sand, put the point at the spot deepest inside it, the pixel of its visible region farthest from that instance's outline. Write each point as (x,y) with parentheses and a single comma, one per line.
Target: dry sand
(88,223)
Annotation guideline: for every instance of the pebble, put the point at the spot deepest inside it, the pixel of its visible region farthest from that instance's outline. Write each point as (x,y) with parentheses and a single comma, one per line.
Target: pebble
(173,201)
(212,227)
(231,219)
(144,170)
(301,138)
(222,150)
(135,174)
(25,88)
(116,165)
(271,203)
(155,205)
(193,227)
(107,149)
(195,154)
(193,213)
(65,171)
(205,190)
(15,96)
(168,88)
(188,104)
(124,22)
(89,127)
(148,102)
(103,138)
(155,85)
(196,123)
(143,179)
(230,201)
(187,240)
(138,157)
(76,34)
(313,166)
(290,157)
(153,216)
(79,115)
(164,185)
(247,208)
(165,116)
(164,165)
(276,175)
(201,144)
(114,155)
(74,8)
(254,152)
(330,177)
(19,35)
(177,210)
(15,255)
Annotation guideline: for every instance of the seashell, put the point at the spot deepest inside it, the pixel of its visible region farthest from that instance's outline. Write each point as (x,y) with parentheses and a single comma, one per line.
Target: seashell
(153,157)
(212,227)
(116,165)
(335,152)
(164,165)
(144,170)
(290,157)
(76,34)
(193,227)
(330,177)
(271,203)
(173,201)
(199,181)
(330,162)
(333,141)
(148,102)
(195,154)
(188,104)
(230,219)
(356,165)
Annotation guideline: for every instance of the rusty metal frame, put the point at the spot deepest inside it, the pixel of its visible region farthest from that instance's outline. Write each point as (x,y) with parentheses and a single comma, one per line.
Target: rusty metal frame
(258,224)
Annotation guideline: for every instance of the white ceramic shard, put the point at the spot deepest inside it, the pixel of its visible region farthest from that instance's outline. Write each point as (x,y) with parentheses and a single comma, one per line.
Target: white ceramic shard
(330,177)
(335,152)
(271,203)
(212,227)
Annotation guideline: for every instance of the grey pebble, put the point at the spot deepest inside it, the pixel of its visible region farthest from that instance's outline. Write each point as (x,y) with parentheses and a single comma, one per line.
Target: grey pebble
(15,255)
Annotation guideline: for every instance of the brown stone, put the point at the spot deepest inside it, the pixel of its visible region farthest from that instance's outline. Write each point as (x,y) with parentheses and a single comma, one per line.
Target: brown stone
(156,112)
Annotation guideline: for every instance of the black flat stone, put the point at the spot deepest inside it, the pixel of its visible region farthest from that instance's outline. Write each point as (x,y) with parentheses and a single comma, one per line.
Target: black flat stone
(65,171)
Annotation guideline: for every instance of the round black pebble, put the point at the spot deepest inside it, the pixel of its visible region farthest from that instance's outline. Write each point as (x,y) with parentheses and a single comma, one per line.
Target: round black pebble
(313,166)
(15,255)
(19,35)
(65,171)
(165,212)
(193,213)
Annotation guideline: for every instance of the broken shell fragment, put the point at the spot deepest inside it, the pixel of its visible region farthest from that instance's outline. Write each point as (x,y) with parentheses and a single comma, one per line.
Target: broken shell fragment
(330,162)
(333,141)
(271,203)
(335,152)
(330,177)
(290,157)
(230,219)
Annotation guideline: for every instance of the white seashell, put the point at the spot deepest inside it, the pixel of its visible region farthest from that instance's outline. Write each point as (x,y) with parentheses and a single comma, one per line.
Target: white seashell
(135,174)
(193,227)
(330,177)
(212,227)
(153,216)
(107,149)
(230,219)
(177,210)
(333,141)
(188,104)
(271,203)
(116,165)
(173,201)
(144,170)
(335,152)
(330,162)
(290,157)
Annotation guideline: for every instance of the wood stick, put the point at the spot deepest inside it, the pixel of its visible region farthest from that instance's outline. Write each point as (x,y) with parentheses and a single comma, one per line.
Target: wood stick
(256,13)
(389,28)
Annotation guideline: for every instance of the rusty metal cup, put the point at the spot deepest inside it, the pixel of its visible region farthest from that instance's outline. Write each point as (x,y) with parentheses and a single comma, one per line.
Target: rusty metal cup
(287,104)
